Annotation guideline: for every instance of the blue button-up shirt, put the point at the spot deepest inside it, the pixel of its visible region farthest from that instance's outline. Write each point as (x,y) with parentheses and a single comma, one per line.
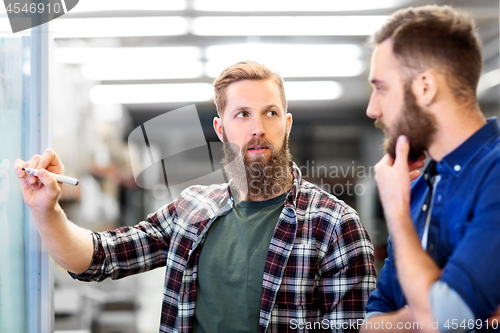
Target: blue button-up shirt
(463,233)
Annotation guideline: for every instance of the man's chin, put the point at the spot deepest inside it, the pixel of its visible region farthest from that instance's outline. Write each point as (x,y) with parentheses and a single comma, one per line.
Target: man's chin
(414,154)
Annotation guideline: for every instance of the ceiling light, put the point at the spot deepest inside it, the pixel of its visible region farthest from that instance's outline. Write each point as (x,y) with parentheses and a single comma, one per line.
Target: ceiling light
(292,5)
(119,27)
(151,93)
(282,51)
(290,60)
(287,25)
(142,70)
(133,5)
(312,90)
(201,92)
(302,68)
(134,63)
(81,55)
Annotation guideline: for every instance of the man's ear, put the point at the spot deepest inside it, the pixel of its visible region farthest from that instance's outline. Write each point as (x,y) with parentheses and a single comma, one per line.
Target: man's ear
(289,122)
(425,88)
(218,128)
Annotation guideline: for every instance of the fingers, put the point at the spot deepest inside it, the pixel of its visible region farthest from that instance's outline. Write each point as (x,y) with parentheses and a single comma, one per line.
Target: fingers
(414,175)
(402,151)
(51,187)
(386,160)
(33,163)
(51,162)
(416,165)
(18,168)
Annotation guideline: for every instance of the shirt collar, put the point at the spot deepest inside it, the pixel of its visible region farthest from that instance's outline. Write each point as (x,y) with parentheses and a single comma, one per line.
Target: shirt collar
(430,172)
(459,159)
(291,198)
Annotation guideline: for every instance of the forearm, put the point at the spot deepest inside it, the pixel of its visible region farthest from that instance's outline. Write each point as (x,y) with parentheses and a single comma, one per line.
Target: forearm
(398,321)
(69,245)
(416,269)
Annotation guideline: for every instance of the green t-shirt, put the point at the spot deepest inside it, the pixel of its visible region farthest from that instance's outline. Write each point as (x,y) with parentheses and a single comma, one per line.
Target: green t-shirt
(231,267)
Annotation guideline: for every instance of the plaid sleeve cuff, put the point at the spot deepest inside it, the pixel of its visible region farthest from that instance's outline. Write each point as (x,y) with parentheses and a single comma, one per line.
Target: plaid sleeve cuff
(92,274)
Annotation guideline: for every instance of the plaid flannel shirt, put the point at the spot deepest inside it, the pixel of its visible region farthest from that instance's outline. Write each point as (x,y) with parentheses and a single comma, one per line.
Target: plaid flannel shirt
(318,274)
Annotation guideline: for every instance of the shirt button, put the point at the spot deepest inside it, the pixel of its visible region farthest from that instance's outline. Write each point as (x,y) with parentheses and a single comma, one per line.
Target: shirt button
(431,246)
(424,207)
(457,168)
(439,197)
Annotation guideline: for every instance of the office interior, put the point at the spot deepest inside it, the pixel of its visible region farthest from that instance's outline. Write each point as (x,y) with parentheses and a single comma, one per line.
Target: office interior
(85,81)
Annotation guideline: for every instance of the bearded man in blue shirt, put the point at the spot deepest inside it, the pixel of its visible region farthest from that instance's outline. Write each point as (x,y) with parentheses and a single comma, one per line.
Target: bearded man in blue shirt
(442,271)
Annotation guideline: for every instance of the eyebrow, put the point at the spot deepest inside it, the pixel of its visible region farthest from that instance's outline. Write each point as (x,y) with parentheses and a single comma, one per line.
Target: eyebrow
(376,81)
(246,108)
(267,107)
(241,108)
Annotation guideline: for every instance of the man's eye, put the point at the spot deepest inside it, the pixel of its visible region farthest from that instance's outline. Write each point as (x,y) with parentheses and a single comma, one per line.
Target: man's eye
(272,113)
(242,114)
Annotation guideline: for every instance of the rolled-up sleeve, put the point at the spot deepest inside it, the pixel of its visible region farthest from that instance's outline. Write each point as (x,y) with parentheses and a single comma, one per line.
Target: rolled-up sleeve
(472,271)
(130,250)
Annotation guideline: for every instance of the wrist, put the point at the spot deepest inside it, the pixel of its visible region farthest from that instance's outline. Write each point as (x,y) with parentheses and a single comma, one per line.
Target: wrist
(47,217)
(398,216)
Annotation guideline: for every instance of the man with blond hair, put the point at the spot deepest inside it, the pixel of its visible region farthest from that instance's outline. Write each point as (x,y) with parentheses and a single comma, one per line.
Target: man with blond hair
(267,252)
(442,271)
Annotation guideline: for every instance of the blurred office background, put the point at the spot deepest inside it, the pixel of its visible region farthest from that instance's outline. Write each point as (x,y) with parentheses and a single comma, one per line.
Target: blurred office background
(117,64)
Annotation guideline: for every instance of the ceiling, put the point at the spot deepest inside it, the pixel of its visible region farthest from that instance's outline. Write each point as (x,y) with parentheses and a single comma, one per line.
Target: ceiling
(347,110)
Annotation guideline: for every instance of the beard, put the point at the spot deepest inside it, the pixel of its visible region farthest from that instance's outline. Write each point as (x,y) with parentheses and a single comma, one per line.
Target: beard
(415,123)
(260,178)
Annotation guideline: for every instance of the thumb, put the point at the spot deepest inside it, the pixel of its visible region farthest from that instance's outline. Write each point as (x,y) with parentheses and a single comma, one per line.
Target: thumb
(52,188)
(402,151)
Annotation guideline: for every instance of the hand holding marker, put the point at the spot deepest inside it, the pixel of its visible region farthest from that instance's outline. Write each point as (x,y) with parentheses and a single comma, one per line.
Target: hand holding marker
(59,178)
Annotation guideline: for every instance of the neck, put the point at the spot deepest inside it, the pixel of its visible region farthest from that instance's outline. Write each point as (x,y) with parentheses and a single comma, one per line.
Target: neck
(286,188)
(454,126)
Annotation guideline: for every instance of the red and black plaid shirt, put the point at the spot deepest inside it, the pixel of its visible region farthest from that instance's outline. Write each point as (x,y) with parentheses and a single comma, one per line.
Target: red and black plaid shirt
(319,270)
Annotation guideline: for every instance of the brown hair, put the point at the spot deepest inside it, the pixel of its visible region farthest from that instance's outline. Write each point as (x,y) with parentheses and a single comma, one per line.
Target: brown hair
(439,38)
(244,70)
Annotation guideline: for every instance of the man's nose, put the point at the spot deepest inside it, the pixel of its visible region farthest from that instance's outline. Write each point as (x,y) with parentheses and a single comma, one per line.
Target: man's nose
(257,129)
(373,109)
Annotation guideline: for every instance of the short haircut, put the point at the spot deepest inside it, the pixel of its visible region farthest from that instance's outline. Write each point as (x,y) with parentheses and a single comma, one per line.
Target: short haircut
(439,38)
(244,70)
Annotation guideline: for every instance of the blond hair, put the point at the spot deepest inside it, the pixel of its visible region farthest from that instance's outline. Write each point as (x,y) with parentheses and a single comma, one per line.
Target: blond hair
(244,70)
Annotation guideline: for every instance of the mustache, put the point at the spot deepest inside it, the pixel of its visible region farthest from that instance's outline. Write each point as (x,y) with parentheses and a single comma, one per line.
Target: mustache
(380,124)
(258,142)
